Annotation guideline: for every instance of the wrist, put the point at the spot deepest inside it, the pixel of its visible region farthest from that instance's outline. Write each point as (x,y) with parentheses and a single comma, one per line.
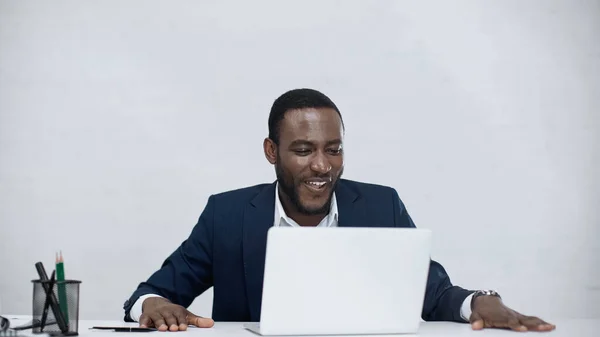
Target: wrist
(484,296)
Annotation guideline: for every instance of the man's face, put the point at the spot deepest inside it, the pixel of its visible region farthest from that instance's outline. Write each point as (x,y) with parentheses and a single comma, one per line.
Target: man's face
(310,159)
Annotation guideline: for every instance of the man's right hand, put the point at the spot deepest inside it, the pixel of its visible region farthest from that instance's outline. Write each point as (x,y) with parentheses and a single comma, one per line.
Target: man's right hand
(160,313)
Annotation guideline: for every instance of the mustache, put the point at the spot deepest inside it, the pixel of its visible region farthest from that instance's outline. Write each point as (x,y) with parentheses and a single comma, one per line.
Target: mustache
(320,176)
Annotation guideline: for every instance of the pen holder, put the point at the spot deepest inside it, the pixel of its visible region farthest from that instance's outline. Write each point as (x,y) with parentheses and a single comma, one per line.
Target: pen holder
(56,307)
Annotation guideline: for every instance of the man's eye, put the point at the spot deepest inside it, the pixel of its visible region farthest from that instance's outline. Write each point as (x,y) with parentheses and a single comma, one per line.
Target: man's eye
(335,151)
(302,152)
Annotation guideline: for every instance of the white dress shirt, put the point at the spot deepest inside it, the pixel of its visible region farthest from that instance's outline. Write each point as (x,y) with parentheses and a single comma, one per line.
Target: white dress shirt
(282,220)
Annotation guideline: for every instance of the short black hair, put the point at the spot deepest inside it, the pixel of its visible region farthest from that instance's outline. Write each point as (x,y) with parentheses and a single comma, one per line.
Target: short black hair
(297,99)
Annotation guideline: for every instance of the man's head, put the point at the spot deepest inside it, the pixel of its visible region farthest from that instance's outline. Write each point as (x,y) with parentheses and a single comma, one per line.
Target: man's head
(305,141)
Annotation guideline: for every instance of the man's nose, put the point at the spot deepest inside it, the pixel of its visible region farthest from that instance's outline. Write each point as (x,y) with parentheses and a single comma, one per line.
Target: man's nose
(320,163)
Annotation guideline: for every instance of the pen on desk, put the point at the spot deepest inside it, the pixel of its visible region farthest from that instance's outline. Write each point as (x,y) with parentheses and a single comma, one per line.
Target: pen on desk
(62,291)
(124,328)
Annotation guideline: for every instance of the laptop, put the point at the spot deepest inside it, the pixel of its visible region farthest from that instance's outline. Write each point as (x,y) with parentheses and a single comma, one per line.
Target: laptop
(343,281)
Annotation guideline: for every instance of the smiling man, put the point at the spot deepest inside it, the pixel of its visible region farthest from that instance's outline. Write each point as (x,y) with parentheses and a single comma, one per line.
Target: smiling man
(226,248)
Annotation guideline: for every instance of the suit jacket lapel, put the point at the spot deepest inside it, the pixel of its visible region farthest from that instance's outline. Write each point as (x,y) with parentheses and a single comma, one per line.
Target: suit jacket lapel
(258,218)
(351,208)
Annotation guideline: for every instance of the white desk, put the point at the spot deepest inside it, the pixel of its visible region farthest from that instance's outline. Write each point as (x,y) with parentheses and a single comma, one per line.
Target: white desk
(564,328)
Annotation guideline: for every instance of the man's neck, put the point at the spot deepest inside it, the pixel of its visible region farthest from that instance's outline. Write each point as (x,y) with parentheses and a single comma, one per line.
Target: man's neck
(307,220)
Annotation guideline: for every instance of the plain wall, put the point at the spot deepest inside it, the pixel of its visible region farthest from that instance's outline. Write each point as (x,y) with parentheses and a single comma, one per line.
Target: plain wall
(118,119)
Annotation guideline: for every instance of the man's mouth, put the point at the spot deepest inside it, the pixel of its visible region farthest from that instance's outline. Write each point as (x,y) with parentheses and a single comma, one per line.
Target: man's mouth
(316,185)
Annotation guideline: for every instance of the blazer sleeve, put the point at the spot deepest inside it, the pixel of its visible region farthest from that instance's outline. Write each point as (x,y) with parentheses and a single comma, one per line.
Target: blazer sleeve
(442,299)
(187,272)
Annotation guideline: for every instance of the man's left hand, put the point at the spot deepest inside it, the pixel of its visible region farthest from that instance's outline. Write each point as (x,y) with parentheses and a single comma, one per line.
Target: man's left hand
(490,312)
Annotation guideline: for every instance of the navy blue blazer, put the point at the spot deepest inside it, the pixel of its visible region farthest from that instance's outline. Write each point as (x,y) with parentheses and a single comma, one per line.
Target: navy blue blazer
(226,250)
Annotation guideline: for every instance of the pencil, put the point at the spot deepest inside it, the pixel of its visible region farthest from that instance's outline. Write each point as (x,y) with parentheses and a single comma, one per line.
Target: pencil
(62,291)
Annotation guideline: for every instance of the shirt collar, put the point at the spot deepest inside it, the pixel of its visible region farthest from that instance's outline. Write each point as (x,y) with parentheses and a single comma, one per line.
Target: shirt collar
(280,216)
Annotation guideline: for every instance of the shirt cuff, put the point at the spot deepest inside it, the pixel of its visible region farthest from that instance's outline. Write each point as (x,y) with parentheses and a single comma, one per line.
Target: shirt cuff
(136,309)
(465,309)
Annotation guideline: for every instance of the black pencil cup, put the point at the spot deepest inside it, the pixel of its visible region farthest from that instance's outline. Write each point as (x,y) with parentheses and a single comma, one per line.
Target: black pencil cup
(56,307)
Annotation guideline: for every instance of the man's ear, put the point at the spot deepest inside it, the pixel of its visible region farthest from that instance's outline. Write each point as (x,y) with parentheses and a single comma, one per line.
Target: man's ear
(270,150)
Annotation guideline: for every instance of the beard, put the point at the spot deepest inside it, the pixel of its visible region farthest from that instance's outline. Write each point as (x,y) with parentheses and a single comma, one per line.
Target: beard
(290,187)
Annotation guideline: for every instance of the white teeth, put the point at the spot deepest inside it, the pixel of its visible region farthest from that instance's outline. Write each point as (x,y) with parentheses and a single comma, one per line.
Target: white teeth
(315,183)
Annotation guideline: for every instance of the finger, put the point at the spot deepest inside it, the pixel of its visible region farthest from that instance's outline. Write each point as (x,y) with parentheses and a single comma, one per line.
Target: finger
(199,322)
(159,321)
(536,324)
(170,320)
(513,323)
(145,321)
(181,315)
(476,321)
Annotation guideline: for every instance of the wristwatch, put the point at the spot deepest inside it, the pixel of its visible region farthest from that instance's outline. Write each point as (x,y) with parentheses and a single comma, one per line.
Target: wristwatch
(483,293)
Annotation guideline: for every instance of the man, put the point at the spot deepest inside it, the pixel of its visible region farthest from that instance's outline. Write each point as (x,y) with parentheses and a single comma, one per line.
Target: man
(226,248)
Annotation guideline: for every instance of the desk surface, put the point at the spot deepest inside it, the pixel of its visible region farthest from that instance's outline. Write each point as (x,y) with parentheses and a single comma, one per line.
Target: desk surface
(564,328)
